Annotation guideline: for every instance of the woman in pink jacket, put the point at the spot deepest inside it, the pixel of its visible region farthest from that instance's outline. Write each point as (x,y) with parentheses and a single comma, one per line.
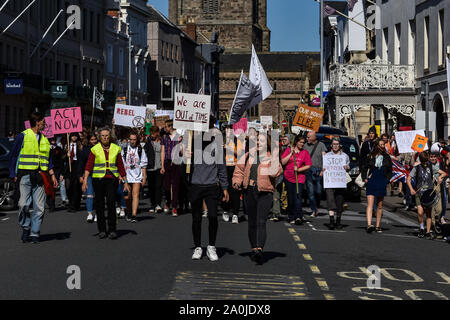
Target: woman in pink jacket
(257,176)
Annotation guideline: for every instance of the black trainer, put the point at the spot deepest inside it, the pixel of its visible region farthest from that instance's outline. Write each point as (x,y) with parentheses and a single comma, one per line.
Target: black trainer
(25,235)
(338,223)
(370,229)
(430,235)
(298,222)
(34,239)
(112,235)
(421,233)
(102,235)
(332,224)
(259,257)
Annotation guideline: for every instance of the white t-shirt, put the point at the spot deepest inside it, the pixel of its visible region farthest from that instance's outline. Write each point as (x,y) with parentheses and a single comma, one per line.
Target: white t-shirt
(134,165)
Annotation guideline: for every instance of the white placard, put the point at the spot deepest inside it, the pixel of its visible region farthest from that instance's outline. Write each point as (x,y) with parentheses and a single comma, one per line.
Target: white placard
(295,129)
(405,140)
(152,107)
(129,116)
(255,125)
(160,113)
(266,121)
(334,176)
(192,112)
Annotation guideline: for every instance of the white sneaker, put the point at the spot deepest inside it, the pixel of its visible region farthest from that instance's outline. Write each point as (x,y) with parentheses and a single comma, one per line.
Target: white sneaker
(122,213)
(166,209)
(235,219)
(158,209)
(211,253)
(117,210)
(90,218)
(443,220)
(95,218)
(198,252)
(151,210)
(205,214)
(225,217)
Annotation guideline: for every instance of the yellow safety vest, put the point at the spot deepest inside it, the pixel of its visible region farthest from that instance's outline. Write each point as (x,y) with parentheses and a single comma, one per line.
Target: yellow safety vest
(101,164)
(33,155)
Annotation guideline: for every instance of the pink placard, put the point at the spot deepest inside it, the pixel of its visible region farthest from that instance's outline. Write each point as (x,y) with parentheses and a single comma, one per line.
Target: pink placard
(66,120)
(48,130)
(240,127)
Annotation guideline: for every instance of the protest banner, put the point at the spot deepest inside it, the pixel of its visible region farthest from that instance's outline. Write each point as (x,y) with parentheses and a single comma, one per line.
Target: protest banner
(266,121)
(419,143)
(66,120)
(240,127)
(405,139)
(160,121)
(129,116)
(160,113)
(48,130)
(334,176)
(308,118)
(192,112)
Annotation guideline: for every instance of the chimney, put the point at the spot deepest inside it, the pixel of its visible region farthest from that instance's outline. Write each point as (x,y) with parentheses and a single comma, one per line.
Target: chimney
(191,29)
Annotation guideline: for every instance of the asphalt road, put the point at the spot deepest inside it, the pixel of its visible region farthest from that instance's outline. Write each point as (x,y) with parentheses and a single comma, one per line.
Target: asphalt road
(152,260)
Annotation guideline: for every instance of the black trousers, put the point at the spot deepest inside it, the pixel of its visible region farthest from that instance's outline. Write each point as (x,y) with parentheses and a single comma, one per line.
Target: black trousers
(74,192)
(234,204)
(105,188)
(155,184)
(258,207)
(211,195)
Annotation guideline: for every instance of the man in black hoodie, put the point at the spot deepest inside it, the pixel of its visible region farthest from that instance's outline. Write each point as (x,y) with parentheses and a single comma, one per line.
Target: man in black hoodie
(206,182)
(367,147)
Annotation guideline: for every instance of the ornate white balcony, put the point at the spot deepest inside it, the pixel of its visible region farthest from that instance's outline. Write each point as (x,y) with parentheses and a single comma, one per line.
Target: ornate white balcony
(374,75)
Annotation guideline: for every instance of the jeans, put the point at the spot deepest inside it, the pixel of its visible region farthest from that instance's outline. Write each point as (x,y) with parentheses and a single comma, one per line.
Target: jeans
(119,194)
(313,187)
(90,195)
(234,204)
(31,192)
(444,199)
(258,206)
(294,200)
(211,195)
(62,190)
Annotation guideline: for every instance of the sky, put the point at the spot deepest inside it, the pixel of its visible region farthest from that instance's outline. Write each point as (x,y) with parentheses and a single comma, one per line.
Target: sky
(294,23)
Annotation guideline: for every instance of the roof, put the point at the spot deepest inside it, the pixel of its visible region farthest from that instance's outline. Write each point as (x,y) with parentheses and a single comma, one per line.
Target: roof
(156,16)
(271,61)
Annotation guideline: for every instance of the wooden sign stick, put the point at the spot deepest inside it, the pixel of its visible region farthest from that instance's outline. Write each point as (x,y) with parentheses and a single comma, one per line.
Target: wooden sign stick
(68,144)
(189,160)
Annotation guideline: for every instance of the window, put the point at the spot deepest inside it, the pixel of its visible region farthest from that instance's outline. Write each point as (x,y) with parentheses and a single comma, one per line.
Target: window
(1,53)
(91,77)
(58,70)
(110,58)
(99,80)
(162,50)
(411,42)
(8,54)
(84,23)
(253,111)
(397,41)
(167,51)
(15,58)
(166,89)
(66,71)
(441,40)
(172,52)
(98,27)
(121,61)
(74,75)
(385,44)
(91,29)
(211,6)
(121,91)
(426,44)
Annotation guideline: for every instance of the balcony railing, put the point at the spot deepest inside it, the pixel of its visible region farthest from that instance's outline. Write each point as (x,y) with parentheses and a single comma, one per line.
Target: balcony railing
(372,76)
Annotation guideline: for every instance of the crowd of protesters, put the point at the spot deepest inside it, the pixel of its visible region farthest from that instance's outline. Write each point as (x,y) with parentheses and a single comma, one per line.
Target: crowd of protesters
(111,167)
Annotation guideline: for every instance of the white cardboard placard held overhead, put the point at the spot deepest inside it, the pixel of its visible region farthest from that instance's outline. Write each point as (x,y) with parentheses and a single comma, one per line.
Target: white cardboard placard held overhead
(191,112)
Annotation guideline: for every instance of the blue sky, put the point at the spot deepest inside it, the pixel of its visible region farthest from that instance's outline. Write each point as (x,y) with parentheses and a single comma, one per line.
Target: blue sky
(294,23)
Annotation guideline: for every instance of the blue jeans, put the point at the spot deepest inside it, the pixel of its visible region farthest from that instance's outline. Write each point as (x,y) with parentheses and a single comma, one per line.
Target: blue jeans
(62,190)
(313,187)
(294,200)
(30,192)
(90,195)
(122,197)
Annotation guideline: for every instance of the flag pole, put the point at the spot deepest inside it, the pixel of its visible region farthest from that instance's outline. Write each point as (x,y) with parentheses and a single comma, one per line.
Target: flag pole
(93,109)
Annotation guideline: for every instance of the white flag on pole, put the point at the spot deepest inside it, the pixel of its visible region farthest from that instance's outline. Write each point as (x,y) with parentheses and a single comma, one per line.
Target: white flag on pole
(245,93)
(448,77)
(98,99)
(259,79)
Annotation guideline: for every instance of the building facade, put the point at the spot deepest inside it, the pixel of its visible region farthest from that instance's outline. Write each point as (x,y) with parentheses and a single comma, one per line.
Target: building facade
(176,65)
(239,22)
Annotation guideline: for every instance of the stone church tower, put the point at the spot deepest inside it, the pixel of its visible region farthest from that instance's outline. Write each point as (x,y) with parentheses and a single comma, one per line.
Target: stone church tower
(239,23)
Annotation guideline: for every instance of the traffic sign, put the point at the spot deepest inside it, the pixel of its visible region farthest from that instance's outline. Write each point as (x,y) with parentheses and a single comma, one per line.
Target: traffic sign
(284,123)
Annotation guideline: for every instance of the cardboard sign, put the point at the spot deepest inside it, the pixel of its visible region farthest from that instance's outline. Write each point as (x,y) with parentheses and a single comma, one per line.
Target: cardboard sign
(308,118)
(192,112)
(266,121)
(66,120)
(160,121)
(334,176)
(405,140)
(160,113)
(419,143)
(240,127)
(48,130)
(129,116)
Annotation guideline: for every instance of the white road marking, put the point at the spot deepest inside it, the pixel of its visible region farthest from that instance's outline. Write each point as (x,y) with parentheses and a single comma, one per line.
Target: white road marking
(5,219)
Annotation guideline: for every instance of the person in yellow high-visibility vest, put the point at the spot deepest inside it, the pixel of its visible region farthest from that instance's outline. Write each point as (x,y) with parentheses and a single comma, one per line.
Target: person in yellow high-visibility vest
(30,156)
(107,169)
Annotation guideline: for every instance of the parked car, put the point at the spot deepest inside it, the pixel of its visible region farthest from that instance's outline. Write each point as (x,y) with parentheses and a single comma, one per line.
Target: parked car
(8,197)
(351,148)
(332,130)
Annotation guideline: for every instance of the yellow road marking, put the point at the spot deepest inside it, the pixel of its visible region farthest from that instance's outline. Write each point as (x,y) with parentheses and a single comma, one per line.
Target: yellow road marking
(291,230)
(296,238)
(307,257)
(329,297)
(314,269)
(301,246)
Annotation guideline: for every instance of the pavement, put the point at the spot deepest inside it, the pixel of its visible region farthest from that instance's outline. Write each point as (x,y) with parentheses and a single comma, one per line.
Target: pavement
(152,260)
